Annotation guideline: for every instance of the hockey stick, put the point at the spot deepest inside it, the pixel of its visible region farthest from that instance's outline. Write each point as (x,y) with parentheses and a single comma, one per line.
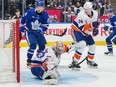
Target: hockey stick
(70,66)
(67,67)
(82,61)
(50,34)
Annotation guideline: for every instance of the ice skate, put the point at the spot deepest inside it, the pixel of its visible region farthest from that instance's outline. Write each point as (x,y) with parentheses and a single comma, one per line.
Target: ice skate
(91,63)
(28,63)
(109,53)
(74,66)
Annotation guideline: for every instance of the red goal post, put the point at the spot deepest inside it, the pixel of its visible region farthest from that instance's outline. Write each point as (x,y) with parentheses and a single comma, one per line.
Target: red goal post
(10,51)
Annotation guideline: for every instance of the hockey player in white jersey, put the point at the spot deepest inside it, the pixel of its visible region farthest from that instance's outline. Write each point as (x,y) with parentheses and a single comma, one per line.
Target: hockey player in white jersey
(44,65)
(84,27)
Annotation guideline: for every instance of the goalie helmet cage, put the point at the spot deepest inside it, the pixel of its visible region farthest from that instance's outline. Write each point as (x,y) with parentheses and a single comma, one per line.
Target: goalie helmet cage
(9,51)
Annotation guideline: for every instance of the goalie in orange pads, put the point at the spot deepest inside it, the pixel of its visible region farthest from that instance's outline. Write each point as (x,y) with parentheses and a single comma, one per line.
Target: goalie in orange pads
(85,23)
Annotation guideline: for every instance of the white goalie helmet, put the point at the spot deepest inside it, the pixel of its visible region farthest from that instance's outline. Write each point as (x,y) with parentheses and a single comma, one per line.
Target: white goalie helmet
(58,47)
(87,5)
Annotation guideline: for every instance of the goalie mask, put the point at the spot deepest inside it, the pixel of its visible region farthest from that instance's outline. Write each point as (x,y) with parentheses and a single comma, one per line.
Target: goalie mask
(58,47)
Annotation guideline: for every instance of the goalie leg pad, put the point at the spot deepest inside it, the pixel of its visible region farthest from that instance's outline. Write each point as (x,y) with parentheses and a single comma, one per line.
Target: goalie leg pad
(50,81)
(37,71)
(51,77)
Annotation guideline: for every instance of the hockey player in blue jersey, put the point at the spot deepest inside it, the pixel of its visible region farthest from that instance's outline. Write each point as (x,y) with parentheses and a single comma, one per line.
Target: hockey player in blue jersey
(112,37)
(34,22)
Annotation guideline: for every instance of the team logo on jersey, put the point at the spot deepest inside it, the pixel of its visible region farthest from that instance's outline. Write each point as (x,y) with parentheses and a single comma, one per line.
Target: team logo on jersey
(35,25)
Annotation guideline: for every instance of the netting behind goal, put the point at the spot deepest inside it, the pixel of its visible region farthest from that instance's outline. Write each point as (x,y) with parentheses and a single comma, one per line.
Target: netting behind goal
(9,51)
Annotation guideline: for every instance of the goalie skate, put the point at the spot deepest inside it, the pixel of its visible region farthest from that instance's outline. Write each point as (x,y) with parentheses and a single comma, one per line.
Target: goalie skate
(28,63)
(50,81)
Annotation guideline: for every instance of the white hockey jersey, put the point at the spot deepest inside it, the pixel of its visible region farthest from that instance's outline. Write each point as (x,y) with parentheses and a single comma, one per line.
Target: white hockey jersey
(47,58)
(83,23)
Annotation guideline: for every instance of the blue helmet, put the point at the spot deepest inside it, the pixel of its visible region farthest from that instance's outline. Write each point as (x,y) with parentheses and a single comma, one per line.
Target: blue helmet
(110,10)
(40,3)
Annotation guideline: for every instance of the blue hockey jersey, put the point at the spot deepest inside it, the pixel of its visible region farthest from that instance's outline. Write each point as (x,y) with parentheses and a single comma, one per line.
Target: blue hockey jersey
(32,20)
(113,23)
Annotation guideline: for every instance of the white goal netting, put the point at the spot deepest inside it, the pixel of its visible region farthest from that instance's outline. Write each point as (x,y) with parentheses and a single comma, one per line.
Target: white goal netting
(9,51)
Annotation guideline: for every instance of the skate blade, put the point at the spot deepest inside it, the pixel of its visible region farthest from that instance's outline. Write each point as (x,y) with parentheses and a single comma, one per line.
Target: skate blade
(109,54)
(94,67)
(50,82)
(77,69)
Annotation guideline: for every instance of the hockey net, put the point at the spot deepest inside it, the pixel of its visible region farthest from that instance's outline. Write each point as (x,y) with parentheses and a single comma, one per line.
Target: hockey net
(9,51)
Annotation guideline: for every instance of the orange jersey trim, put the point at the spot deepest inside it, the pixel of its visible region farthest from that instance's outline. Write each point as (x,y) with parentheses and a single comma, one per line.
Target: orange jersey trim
(77,29)
(34,65)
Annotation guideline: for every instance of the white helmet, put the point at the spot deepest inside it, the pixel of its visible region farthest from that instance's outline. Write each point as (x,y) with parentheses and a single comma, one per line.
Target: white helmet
(87,5)
(58,47)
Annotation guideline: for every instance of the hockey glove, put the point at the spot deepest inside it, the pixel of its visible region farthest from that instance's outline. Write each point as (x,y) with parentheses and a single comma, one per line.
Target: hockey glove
(106,28)
(39,30)
(95,32)
(95,24)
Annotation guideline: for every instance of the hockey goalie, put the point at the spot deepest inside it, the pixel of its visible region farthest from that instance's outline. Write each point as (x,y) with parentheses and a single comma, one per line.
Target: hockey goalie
(44,65)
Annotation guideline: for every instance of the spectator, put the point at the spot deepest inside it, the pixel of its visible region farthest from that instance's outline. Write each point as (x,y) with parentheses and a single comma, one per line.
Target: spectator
(60,4)
(17,14)
(74,1)
(47,2)
(97,6)
(54,18)
(69,13)
(105,6)
(9,40)
(51,5)
(69,4)
(30,4)
(13,7)
(77,8)
(55,3)
(7,16)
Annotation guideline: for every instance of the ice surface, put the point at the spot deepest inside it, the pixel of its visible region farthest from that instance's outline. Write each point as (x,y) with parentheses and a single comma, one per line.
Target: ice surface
(103,76)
